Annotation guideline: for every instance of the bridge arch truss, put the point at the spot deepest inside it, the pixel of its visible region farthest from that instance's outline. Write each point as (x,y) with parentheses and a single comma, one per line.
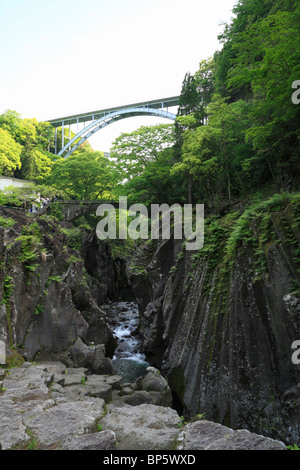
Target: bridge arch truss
(101,119)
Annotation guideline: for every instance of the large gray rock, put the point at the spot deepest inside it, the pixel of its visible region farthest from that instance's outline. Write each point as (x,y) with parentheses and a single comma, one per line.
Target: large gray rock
(205,435)
(12,428)
(105,440)
(93,358)
(103,390)
(158,387)
(138,398)
(21,392)
(64,419)
(244,440)
(143,427)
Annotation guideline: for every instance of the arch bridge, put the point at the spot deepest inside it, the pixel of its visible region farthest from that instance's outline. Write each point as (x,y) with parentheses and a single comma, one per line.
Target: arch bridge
(99,119)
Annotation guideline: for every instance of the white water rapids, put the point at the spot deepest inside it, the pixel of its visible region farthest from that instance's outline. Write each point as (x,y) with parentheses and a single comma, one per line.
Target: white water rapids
(128,360)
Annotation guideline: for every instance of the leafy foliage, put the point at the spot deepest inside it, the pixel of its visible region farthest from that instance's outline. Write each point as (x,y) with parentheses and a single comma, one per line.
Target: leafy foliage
(85,176)
(251,136)
(236,130)
(10,152)
(135,151)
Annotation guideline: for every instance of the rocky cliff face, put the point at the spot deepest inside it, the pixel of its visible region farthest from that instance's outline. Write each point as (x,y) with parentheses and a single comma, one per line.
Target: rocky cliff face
(219,323)
(49,308)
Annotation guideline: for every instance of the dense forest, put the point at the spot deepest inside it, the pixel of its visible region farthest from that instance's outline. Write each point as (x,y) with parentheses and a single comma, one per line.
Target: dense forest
(236,135)
(220,324)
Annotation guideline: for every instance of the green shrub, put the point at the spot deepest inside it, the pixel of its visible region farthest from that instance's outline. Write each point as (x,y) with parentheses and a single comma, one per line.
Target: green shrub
(28,251)
(6,222)
(39,309)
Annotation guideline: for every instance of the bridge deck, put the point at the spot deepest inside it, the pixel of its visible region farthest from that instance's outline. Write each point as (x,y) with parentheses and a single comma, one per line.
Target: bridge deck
(93,115)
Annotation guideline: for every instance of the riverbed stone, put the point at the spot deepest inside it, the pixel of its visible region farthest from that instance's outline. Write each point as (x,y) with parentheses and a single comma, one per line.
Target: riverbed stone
(158,387)
(75,391)
(72,379)
(95,379)
(36,413)
(76,370)
(242,439)
(12,431)
(104,440)
(154,381)
(202,434)
(103,390)
(143,427)
(115,381)
(64,419)
(92,357)
(206,435)
(126,390)
(138,398)
(57,388)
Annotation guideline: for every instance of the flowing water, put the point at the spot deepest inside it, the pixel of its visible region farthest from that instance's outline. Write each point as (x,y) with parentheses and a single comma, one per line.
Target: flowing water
(128,360)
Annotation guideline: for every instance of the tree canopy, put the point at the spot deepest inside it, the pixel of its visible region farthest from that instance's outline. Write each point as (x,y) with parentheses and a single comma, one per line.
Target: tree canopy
(134,151)
(236,131)
(85,176)
(10,152)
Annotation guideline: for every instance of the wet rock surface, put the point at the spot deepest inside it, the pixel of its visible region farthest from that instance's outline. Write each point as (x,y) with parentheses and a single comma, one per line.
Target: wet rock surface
(48,406)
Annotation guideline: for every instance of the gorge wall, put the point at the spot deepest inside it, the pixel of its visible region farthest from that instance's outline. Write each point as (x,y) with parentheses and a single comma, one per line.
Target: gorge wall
(219,323)
(51,293)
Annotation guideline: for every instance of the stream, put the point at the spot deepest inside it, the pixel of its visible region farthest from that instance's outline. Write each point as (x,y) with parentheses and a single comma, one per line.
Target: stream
(128,360)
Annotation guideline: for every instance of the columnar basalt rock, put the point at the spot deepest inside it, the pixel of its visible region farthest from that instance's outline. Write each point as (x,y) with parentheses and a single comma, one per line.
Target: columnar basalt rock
(220,329)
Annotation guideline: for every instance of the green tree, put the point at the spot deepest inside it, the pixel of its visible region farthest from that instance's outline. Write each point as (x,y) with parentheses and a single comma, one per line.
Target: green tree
(134,151)
(234,155)
(198,163)
(36,164)
(267,61)
(10,121)
(45,136)
(204,78)
(215,159)
(10,152)
(247,13)
(86,176)
(27,194)
(190,102)
(156,185)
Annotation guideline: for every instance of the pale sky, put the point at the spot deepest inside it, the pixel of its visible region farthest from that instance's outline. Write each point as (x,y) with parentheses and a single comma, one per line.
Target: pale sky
(62,57)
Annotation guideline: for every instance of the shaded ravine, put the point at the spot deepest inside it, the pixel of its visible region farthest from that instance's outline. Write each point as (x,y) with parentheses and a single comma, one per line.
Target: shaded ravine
(128,360)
